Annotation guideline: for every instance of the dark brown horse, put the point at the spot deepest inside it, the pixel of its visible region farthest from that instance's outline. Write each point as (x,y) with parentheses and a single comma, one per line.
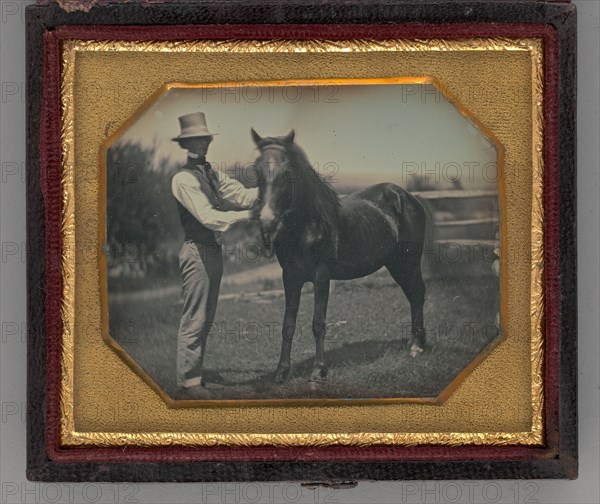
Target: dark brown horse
(318,237)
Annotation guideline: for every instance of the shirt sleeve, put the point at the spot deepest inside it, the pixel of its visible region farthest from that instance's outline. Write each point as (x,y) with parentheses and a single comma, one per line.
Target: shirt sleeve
(234,191)
(186,189)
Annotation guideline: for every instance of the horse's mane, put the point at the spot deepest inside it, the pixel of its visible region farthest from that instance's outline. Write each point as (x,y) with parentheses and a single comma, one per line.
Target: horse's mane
(325,201)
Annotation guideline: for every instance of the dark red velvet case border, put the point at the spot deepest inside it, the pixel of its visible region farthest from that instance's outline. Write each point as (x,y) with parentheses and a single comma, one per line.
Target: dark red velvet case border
(50,153)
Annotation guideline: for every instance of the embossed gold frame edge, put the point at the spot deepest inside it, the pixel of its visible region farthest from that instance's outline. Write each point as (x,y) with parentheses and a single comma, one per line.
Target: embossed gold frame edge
(173,403)
(68,434)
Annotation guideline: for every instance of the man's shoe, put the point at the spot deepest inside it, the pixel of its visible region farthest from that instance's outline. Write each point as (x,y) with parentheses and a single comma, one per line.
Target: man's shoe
(196,393)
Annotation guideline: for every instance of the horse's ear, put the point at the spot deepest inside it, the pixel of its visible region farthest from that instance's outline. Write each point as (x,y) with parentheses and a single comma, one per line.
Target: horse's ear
(255,136)
(289,138)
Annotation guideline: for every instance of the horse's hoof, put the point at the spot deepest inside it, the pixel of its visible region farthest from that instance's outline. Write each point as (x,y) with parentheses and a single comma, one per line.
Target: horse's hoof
(281,376)
(415,350)
(318,375)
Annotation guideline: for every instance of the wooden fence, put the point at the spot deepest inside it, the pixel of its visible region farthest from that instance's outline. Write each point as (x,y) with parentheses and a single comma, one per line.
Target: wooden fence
(465,237)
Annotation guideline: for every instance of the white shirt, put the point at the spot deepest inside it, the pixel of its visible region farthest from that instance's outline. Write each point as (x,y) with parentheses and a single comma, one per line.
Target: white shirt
(186,189)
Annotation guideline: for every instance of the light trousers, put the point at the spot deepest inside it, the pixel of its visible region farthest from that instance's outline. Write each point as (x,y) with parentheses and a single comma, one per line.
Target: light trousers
(201,266)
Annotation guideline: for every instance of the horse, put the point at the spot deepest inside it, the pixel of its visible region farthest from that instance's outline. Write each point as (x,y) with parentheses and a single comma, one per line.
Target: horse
(318,236)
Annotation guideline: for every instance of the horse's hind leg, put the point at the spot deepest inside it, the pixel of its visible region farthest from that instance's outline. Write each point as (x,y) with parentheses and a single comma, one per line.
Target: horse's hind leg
(293,289)
(407,274)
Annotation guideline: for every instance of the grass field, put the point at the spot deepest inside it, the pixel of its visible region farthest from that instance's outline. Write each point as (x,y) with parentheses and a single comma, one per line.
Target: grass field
(366,344)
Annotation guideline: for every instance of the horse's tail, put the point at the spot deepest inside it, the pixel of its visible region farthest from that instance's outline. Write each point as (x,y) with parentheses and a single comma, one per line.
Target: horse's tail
(429,232)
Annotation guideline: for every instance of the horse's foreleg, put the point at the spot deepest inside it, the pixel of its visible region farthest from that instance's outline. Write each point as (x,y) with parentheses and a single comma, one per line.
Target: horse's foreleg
(293,288)
(321,299)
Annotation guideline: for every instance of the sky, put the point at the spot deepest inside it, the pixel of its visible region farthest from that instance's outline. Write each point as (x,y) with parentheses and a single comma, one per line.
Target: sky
(355,133)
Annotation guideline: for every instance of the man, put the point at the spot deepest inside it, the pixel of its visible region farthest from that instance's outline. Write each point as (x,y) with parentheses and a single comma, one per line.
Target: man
(209,202)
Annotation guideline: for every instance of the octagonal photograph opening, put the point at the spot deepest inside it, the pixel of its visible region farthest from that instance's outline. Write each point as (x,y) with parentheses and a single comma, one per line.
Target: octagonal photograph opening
(303,240)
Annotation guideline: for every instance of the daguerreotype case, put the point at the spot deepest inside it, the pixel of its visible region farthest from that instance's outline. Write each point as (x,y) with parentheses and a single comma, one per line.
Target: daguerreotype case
(301,240)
